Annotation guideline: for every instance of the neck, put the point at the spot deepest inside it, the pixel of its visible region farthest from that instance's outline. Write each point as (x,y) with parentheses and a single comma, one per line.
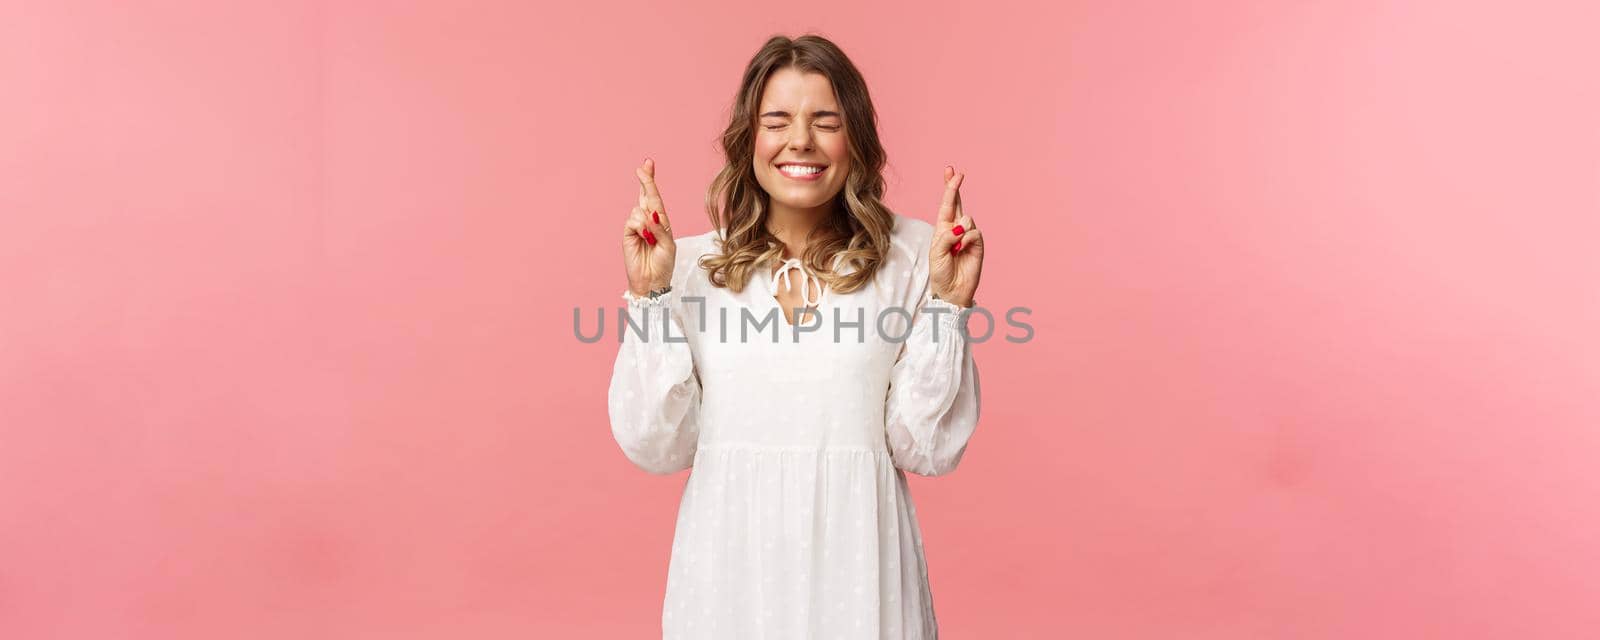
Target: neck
(792,226)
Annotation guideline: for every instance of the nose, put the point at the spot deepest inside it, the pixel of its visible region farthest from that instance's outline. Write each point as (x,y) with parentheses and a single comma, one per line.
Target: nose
(800,138)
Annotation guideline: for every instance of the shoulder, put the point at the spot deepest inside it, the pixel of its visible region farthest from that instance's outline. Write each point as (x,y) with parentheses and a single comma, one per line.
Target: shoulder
(911,237)
(695,246)
(904,270)
(691,249)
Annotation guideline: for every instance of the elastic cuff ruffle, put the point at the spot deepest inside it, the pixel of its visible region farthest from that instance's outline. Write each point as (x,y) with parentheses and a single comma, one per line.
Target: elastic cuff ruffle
(951,315)
(943,303)
(640,302)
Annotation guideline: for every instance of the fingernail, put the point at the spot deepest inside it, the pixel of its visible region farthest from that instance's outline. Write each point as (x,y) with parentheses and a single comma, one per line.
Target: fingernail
(956,248)
(656,215)
(649,237)
(958,230)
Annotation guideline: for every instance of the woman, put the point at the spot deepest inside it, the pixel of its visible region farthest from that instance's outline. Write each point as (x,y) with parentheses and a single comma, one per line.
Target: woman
(839,364)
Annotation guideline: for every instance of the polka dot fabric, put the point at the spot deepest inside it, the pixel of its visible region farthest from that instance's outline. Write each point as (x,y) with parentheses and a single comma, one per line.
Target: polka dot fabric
(796,520)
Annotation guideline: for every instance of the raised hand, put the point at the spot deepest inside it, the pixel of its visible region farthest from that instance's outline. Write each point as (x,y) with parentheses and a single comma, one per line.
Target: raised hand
(648,249)
(955,259)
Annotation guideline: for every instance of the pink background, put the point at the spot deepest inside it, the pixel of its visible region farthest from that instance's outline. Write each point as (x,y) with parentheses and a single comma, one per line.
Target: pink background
(286,347)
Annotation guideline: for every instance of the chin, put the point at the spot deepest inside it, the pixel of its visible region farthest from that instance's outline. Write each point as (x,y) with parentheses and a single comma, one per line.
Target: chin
(805,201)
(803,197)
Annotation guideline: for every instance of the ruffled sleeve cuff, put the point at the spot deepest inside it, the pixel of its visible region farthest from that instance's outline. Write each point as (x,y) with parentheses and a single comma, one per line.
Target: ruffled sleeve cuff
(951,320)
(636,302)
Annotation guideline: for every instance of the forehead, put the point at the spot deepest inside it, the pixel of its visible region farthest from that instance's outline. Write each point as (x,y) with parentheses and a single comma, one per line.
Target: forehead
(792,90)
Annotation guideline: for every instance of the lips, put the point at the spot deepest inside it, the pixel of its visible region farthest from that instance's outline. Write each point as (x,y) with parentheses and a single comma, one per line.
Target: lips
(802,171)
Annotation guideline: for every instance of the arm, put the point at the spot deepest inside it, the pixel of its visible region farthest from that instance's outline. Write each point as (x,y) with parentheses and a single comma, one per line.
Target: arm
(654,397)
(933,401)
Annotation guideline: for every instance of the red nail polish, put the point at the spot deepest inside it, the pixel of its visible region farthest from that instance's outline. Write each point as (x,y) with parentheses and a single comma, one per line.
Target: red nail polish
(958,230)
(956,248)
(649,237)
(656,215)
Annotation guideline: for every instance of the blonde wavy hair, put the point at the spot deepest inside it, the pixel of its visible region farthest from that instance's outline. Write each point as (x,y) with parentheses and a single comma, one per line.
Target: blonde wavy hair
(856,234)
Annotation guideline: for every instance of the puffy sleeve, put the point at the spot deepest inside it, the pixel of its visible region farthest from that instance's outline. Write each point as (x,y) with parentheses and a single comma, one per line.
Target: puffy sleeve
(933,403)
(654,399)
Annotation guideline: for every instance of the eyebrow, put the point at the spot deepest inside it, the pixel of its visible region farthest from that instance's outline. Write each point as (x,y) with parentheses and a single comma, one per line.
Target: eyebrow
(814,114)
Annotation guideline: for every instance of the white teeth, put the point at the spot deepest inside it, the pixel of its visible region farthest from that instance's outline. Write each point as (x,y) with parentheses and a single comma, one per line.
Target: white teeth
(799,170)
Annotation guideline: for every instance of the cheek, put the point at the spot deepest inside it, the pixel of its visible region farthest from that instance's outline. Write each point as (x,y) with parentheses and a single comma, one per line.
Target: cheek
(767,146)
(839,151)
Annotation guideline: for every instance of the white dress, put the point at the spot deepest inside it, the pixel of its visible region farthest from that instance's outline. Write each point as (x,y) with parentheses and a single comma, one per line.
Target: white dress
(796,520)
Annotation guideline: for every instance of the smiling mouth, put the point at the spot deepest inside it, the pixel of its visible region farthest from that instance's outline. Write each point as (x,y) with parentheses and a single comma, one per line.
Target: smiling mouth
(801,171)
